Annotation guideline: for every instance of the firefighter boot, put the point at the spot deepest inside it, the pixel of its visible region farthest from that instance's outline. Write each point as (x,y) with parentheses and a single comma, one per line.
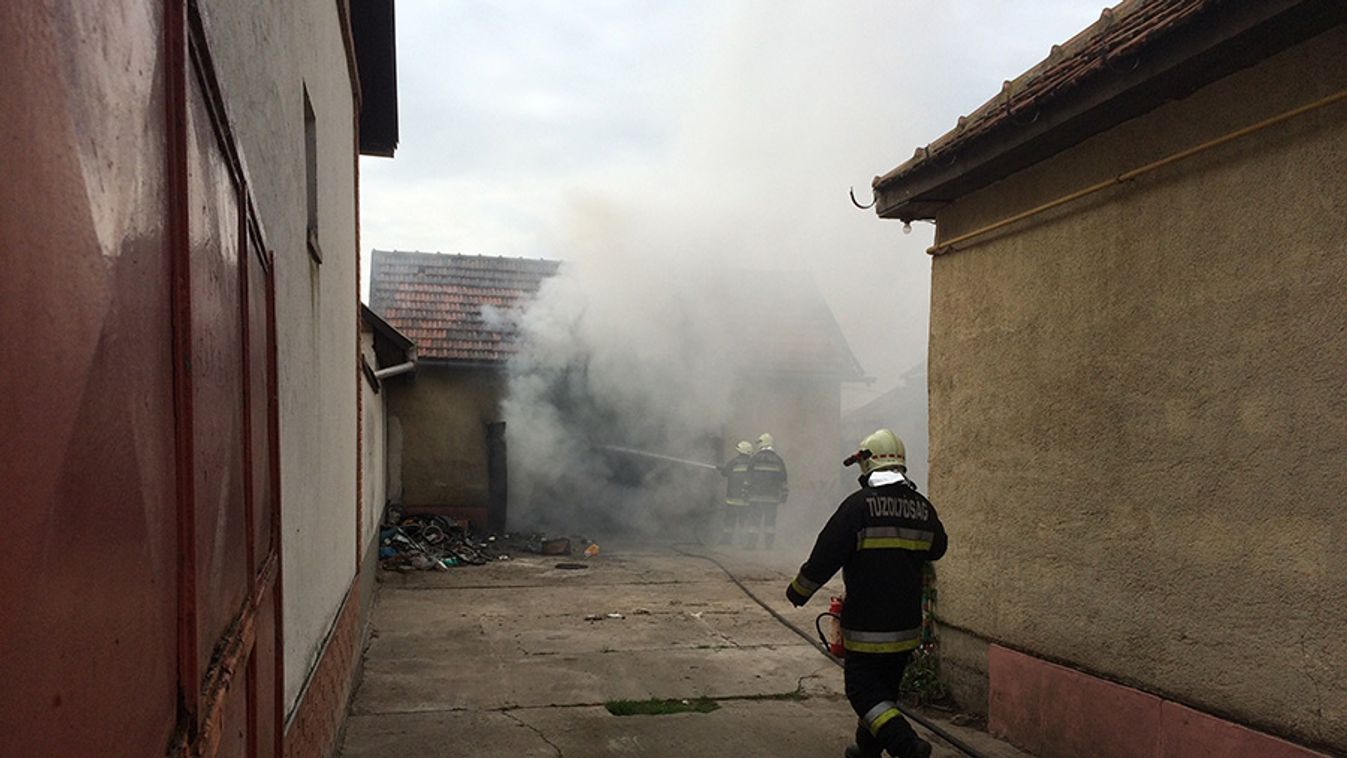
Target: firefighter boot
(917,748)
(865,746)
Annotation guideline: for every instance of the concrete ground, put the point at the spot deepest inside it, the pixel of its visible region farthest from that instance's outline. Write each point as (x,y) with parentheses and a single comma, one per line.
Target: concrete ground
(499,660)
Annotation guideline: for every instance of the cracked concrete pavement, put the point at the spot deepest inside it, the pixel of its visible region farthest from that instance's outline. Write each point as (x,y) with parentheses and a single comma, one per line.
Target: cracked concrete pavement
(499,660)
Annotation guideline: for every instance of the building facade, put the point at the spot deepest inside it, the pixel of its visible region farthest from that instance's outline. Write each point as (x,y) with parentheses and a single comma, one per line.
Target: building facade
(791,362)
(446,428)
(1136,379)
(179,234)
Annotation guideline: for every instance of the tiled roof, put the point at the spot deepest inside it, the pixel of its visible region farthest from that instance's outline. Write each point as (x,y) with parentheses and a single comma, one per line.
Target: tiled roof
(1120,33)
(439,301)
(455,307)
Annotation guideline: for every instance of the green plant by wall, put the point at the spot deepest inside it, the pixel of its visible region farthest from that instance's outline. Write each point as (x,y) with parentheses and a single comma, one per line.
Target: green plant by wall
(921,680)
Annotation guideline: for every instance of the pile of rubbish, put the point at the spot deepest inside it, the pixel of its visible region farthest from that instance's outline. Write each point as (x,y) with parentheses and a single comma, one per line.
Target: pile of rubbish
(426,543)
(439,543)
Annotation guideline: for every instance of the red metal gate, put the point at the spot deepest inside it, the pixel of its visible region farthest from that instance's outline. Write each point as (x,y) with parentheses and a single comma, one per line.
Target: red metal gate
(139,391)
(229,647)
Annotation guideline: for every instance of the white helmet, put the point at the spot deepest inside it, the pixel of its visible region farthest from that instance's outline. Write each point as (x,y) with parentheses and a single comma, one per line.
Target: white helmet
(744,447)
(765,441)
(882,449)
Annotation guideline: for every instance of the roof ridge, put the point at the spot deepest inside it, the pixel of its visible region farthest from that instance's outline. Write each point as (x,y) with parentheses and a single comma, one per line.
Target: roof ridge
(436,254)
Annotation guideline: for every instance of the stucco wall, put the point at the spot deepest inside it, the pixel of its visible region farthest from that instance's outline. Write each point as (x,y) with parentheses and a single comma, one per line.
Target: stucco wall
(1138,430)
(443,412)
(267,54)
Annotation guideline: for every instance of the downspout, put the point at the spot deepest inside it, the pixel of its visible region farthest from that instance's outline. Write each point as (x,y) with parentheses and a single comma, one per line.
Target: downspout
(401,368)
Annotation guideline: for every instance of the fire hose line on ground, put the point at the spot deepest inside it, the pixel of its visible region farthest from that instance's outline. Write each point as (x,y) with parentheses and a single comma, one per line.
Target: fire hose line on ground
(959,744)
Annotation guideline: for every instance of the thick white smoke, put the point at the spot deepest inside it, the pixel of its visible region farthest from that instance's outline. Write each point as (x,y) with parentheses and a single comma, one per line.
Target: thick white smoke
(732,152)
(638,354)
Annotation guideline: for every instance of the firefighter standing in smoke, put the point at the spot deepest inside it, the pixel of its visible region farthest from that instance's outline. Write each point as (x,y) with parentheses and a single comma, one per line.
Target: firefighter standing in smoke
(735,471)
(880,537)
(767,489)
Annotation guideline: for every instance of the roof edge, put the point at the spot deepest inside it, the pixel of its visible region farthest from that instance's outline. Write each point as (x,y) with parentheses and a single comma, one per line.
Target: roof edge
(437,254)
(371,42)
(377,323)
(1220,39)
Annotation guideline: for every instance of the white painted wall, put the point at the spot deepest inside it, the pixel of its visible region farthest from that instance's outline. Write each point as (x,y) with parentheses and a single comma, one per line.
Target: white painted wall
(266,54)
(374,452)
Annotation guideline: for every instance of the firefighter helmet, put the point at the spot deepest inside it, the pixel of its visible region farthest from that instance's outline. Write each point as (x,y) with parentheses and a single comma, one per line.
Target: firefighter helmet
(744,447)
(886,451)
(765,441)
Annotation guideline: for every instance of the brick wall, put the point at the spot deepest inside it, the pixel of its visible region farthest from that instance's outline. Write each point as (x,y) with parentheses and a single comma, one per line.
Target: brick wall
(316,725)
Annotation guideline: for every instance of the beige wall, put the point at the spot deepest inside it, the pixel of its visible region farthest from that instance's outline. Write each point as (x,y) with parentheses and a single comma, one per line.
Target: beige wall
(442,413)
(1139,407)
(804,416)
(266,55)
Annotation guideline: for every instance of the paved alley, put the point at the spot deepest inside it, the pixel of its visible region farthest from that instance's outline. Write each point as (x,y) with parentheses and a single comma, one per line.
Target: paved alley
(501,660)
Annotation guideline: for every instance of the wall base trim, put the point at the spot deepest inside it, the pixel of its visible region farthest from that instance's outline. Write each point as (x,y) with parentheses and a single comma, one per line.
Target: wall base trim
(314,726)
(1051,710)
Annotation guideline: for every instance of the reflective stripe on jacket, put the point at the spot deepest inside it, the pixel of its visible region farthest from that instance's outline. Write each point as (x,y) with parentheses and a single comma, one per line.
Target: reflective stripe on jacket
(767,478)
(736,472)
(879,537)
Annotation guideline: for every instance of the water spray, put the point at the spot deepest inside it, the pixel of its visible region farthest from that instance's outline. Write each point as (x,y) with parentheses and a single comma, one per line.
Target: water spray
(657,456)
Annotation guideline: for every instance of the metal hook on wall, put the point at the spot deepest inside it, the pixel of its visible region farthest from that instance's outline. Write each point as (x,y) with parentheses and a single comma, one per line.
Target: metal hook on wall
(857,203)
(1018,120)
(1111,62)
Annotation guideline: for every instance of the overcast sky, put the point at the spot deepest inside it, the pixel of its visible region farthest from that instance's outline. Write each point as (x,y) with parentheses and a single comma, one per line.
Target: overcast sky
(729,130)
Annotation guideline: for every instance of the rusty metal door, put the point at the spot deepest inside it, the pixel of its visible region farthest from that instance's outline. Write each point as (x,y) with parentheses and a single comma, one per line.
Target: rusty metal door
(138,449)
(230,668)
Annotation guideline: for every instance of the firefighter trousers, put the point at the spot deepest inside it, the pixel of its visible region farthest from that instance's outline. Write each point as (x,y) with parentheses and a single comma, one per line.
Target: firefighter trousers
(760,519)
(871,681)
(734,518)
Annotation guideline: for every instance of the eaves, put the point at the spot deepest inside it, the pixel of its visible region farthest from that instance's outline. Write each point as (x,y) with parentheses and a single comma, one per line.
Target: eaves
(1231,36)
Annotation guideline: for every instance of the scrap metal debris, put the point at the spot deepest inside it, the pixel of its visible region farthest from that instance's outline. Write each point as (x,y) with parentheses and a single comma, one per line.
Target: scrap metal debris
(438,543)
(425,543)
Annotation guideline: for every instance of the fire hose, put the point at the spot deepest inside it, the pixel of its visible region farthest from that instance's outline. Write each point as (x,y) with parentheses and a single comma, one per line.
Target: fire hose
(657,456)
(822,647)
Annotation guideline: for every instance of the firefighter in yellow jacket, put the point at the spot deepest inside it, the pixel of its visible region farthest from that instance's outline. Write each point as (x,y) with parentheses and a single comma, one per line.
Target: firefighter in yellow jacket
(880,537)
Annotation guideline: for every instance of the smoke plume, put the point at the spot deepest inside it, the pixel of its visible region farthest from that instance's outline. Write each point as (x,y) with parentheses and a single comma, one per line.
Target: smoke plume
(614,354)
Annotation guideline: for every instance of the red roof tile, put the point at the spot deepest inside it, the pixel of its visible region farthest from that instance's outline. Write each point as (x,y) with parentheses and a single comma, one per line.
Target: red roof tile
(1121,31)
(438,301)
